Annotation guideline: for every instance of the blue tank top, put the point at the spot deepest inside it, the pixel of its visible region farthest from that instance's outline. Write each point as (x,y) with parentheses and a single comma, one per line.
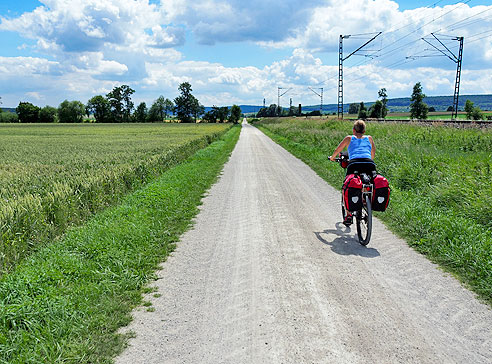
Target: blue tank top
(359,148)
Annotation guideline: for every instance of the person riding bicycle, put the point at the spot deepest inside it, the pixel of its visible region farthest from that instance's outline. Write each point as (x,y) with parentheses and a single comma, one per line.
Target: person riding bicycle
(361,152)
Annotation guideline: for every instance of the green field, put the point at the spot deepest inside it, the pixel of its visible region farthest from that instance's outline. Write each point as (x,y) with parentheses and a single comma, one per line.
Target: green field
(53,176)
(441,180)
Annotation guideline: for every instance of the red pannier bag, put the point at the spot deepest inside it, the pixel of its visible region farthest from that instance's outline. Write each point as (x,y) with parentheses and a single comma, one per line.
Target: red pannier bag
(381,195)
(352,193)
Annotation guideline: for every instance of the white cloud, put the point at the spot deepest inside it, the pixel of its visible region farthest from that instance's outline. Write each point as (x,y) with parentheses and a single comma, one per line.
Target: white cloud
(27,66)
(94,45)
(92,25)
(236,20)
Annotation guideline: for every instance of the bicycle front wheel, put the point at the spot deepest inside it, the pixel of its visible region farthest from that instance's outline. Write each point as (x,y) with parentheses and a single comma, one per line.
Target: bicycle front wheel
(364,222)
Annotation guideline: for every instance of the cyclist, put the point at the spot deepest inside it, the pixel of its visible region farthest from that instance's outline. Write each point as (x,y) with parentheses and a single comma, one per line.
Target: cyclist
(361,151)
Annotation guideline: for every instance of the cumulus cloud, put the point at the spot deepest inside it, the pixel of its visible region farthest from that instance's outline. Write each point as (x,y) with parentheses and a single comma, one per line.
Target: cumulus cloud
(91,25)
(94,45)
(21,66)
(236,20)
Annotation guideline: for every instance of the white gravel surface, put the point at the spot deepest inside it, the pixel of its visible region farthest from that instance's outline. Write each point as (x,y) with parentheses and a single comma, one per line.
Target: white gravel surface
(268,274)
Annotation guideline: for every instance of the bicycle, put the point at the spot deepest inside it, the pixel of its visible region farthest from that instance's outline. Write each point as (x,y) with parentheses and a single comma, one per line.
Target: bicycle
(363,216)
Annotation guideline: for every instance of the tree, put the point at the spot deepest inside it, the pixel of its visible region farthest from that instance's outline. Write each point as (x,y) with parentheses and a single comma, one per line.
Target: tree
(222,114)
(469,109)
(376,110)
(353,108)
(187,107)
(100,108)
(140,115)
(418,108)
(384,100)
(477,114)
(293,111)
(432,109)
(27,112)
(8,117)
(71,112)
(158,109)
(472,112)
(211,115)
(450,108)
(47,114)
(169,108)
(362,111)
(197,109)
(270,111)
(121,104)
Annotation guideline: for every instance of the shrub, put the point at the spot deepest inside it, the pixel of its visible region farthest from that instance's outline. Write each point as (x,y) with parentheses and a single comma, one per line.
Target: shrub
(8,117)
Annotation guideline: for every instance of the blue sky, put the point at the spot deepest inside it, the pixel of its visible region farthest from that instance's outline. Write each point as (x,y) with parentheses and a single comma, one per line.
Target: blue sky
(233,51)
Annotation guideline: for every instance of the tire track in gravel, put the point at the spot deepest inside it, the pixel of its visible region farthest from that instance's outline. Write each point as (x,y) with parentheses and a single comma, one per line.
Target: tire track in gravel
(269,275)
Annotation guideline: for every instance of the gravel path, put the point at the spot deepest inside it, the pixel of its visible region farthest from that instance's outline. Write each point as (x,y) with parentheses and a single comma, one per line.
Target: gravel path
(268,274)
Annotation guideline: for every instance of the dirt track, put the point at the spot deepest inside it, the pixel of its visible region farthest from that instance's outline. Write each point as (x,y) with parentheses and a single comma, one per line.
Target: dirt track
(269,275)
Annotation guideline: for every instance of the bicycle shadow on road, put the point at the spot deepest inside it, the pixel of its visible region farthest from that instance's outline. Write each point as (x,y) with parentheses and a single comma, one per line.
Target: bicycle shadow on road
(345,243)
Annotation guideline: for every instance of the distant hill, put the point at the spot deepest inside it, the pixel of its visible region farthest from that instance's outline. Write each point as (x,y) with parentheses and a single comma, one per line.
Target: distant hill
(441,103)
(9,109)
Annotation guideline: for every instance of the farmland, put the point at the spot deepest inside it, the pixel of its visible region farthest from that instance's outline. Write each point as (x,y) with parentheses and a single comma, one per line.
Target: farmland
(65,302)
(55,176)
(441,186)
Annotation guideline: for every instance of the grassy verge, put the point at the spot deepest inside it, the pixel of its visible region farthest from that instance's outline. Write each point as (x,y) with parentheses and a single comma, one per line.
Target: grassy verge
(441,180)
(64,303)
(56,176)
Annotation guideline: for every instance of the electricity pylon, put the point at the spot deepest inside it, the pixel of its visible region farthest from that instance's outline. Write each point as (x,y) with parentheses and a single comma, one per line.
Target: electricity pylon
(321,96)
(279,96)
(447,52)
(340,67)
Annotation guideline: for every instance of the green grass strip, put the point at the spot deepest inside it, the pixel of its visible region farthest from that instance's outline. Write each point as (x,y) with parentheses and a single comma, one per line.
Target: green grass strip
(64,303)
(441,199)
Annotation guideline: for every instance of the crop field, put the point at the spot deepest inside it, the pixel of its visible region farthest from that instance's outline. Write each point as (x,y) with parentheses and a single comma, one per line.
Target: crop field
(54,176)
(441,180)
(65,302)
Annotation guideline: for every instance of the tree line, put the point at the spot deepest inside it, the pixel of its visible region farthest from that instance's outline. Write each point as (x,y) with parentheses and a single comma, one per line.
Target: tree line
(277,111)
(117,107)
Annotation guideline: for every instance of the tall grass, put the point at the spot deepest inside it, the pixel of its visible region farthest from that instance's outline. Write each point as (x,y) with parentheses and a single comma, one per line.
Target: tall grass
(441,180)
(65,302)
(55,176)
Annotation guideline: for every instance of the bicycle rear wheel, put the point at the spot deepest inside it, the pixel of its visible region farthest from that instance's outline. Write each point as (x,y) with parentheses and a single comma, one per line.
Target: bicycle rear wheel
(364,222)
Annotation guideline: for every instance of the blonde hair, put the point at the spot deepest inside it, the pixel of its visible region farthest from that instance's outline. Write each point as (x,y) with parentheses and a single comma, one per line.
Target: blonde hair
(360,126)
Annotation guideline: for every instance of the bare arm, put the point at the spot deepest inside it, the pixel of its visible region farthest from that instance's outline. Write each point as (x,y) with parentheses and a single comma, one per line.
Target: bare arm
(373,149)
(344,143)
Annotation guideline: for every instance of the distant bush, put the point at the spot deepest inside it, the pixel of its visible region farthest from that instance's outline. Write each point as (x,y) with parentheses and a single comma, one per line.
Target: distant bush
(8,117)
